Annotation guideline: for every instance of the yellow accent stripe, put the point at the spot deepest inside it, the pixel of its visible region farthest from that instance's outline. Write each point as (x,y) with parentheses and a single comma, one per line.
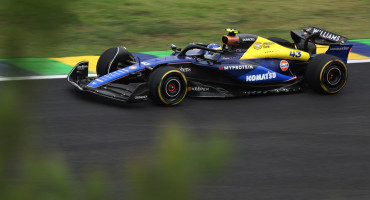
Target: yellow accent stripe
(321,48)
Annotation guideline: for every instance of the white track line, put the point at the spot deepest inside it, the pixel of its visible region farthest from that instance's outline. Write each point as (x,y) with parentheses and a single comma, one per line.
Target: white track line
(37,77)
(359,61)
(94,75)
(31,77)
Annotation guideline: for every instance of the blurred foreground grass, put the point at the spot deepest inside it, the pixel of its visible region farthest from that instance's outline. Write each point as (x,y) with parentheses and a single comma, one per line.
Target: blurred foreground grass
(179,164)
(27,171)
(146,25)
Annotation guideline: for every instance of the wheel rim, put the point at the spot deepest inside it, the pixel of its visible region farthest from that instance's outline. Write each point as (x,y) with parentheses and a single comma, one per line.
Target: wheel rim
(334,77)
(172,87)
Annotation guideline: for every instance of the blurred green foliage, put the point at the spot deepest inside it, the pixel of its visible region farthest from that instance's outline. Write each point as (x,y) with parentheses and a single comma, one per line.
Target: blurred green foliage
(37,27)
(29,172)
(26,171)
(146,25)
(177,165)
(32,27)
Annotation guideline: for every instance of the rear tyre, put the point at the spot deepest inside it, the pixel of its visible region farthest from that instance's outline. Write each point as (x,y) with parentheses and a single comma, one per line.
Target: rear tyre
(167,86)
(326,74)
(113,59)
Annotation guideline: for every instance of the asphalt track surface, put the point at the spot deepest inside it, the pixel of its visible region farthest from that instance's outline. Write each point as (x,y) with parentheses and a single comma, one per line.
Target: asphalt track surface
(291,146)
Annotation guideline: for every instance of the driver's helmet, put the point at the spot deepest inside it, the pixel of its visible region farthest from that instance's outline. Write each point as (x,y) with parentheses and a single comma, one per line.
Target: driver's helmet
(212,46)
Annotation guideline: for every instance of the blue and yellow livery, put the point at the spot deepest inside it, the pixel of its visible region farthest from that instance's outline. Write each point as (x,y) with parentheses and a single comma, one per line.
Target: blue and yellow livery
(245,64)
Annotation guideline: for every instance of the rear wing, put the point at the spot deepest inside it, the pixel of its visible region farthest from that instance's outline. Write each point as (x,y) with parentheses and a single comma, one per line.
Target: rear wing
(317,36)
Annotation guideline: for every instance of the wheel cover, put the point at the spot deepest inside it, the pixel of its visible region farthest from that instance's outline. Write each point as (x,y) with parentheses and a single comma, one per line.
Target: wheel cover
(173,87)
(333,76)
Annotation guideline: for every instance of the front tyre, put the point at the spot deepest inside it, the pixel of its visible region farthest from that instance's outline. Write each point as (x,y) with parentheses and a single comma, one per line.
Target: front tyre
(167,86)
(326,74)
(113,59)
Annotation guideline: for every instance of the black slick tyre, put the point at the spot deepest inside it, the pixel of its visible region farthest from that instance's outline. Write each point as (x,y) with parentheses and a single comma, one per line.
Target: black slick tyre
(167,86)
(326,74)
(112,59)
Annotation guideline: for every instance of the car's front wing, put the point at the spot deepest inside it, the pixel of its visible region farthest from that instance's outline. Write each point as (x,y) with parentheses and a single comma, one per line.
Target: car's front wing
(132,92)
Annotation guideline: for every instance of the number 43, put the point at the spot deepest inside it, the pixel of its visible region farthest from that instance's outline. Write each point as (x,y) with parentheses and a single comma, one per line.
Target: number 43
(296,54)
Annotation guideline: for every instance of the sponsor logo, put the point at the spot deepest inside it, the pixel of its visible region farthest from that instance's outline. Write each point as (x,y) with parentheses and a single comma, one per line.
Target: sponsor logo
(261,77)
(235,67)
(284,65)
(141,97)
(145,63)
(258,45)
(339,49)
(185,69)
(133,67)
(82,67)
(327,35)
(267,45)
(248,39)
(200,89)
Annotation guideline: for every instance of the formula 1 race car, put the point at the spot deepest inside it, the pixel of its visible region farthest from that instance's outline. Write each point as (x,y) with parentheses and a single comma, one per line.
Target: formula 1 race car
(246,64)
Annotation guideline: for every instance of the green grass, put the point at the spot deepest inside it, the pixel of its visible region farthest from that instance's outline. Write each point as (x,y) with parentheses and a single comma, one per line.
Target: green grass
(147,25)
(364,41)
(42,66)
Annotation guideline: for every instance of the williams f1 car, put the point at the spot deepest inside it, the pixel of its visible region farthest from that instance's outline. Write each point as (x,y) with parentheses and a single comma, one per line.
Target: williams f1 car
(244,65)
